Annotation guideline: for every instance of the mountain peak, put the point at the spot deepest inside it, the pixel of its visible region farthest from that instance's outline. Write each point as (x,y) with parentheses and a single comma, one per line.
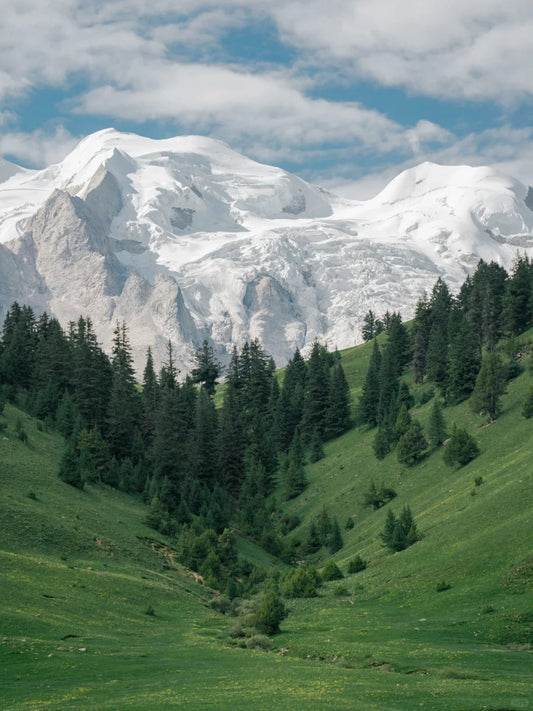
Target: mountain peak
(252,250)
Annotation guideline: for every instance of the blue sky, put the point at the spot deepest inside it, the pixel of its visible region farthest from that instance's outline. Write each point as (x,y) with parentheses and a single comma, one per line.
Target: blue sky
(346,93)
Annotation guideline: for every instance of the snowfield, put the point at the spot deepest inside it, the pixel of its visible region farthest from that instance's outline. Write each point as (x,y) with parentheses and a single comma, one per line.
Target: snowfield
(186,239)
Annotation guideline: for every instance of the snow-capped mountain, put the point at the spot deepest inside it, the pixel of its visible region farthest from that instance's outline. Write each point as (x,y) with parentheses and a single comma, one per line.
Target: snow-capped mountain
(185,239)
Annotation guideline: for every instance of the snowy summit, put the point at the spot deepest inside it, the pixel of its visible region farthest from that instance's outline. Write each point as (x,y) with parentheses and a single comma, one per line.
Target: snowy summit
(187,240)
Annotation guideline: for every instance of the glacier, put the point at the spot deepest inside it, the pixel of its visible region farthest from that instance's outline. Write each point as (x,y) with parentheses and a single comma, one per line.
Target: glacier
(186,240)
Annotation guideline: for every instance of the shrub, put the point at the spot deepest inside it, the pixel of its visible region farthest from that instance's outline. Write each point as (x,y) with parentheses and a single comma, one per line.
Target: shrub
(460,449)
(443,585)
(340,590)
(378,497)
(412,445)
(349,523)
(259,641)
(331,571)
(399,533)
(302,582)
(356,565)
(270,613)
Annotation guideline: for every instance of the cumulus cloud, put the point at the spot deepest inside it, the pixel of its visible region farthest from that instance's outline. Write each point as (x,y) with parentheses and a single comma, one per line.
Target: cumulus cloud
(37,148)
(476,50)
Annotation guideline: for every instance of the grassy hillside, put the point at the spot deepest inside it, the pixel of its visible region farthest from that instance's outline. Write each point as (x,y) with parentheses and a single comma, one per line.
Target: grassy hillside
(80,571)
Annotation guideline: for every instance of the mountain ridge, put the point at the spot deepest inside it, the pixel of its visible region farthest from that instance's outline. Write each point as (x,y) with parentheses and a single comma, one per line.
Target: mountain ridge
(198,242)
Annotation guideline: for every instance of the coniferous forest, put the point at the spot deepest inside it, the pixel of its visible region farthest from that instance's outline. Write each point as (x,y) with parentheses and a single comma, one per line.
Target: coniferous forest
(206,450)
(353,513)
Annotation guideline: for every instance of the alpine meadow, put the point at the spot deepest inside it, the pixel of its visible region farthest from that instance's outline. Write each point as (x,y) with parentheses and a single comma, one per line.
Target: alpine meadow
(353,530)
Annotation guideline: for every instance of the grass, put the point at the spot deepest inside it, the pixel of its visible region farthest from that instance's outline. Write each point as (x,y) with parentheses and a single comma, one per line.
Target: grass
(78,573)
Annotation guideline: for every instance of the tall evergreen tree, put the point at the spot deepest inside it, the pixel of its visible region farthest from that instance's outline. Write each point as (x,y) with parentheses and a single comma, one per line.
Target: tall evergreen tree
(464,358)
(338,414)
(369,400)
(316,402)
(150,398)
(208,368)
(490,386)
(124,403)
(436,425)
(516,307)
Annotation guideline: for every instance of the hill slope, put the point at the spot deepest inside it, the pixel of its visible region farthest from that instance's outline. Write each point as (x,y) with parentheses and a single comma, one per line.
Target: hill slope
(445,624)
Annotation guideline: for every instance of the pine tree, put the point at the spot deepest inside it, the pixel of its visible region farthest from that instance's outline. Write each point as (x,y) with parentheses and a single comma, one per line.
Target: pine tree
(490,386)
(369,400)
(207,369)
(420,331)
(124,404)
(335,542)
(150,396)
(270,613)
(338,414)
(372,326)
(412,445)
(464,358)
(69,467)
(516,307)
(316,401)
(436,425)
(403,422)
(527,410)
(460,449)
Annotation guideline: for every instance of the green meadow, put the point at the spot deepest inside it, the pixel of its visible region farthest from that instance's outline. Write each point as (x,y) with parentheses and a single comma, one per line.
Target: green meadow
(97,614)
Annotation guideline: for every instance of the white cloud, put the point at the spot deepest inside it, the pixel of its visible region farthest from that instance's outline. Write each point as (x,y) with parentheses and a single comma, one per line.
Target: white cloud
(477,49)
(38,148)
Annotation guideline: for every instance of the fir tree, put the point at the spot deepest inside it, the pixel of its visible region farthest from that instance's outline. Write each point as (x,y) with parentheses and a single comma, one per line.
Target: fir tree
(150,396)
(338,414)
(516,306)
(69,467)
(460,449)
(490,386)
(369,400)
(527,409)
(464,359)
(270,613)
(316,401)
(335,542)
(436,425)
(124,405)
(412,445)
(207,369)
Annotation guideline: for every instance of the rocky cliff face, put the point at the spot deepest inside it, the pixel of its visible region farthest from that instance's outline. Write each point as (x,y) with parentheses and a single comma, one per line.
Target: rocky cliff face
(185,239)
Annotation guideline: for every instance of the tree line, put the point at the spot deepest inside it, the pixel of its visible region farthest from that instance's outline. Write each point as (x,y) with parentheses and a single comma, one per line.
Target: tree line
(452,345)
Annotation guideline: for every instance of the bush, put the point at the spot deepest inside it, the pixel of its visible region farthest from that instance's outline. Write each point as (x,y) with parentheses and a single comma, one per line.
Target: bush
(259,641)
(331,571)
(356,565)
(460,449)
(378,497)
(270,613)
(443,585)
(302,582)
(340,590)
(399,533)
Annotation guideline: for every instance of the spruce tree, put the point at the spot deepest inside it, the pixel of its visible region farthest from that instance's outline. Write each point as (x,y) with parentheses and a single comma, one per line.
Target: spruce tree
(412,445)
(124,404)
(460,449)
(464,359)
(207,369)
(317,394)
(527,409)
(490,386)
(369,400)
(436,424)
(338,414)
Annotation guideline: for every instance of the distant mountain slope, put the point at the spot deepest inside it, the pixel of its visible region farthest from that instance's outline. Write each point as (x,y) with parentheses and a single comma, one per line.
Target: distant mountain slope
(186,239)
